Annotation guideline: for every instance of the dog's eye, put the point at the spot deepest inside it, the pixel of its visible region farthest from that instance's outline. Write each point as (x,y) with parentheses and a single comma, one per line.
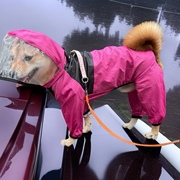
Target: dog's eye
(27,58)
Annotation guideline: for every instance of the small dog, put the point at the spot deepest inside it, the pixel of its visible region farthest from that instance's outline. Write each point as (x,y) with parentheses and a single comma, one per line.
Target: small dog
(134,68)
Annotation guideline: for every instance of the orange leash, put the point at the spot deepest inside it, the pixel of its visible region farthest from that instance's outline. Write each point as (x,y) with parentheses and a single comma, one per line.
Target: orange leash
(121,138)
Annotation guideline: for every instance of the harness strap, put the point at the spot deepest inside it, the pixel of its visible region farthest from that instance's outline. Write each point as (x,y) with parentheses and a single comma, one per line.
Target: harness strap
(84,77)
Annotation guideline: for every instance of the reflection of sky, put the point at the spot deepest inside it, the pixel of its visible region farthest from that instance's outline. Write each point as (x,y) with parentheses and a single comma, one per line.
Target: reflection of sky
(47,16)
(171,67)
(57,21)
(120,26)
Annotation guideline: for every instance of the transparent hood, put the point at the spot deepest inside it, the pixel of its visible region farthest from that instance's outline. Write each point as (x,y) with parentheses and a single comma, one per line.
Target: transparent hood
(5,56)
(23,63)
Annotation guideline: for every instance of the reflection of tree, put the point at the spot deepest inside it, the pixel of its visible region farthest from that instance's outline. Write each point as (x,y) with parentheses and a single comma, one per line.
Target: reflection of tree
(103,13)
(99,12)
(132,11)
(134,165)
(85,40)
(171,123)
(173,21)
(75,161)
(177,55)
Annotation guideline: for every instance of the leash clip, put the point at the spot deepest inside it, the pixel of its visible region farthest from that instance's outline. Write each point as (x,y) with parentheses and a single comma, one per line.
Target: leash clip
(85,80)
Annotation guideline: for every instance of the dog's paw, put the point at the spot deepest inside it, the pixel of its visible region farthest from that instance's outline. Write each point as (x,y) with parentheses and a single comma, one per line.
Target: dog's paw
(128,126)
(88,124)
(151,135)
(131,124)
(67,142)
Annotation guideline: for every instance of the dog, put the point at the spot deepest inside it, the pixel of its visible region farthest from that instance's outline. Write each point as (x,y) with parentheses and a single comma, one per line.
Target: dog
(134,68)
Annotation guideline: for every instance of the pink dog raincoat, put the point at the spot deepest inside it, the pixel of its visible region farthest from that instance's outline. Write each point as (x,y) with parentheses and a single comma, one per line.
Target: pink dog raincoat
(110,68)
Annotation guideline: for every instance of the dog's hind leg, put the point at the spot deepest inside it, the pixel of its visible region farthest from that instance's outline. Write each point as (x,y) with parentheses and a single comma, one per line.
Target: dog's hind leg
(87,124)
(131,124)
(127,88)
(153,134)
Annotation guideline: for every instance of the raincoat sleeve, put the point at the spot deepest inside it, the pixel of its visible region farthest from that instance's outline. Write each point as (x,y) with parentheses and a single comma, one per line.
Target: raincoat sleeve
(71,97)
(150,96)
(135,105)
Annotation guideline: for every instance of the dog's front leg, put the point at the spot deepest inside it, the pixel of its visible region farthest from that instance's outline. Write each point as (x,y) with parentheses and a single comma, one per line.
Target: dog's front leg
(131,123)
(153,134)
(88,124)
(68,142)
